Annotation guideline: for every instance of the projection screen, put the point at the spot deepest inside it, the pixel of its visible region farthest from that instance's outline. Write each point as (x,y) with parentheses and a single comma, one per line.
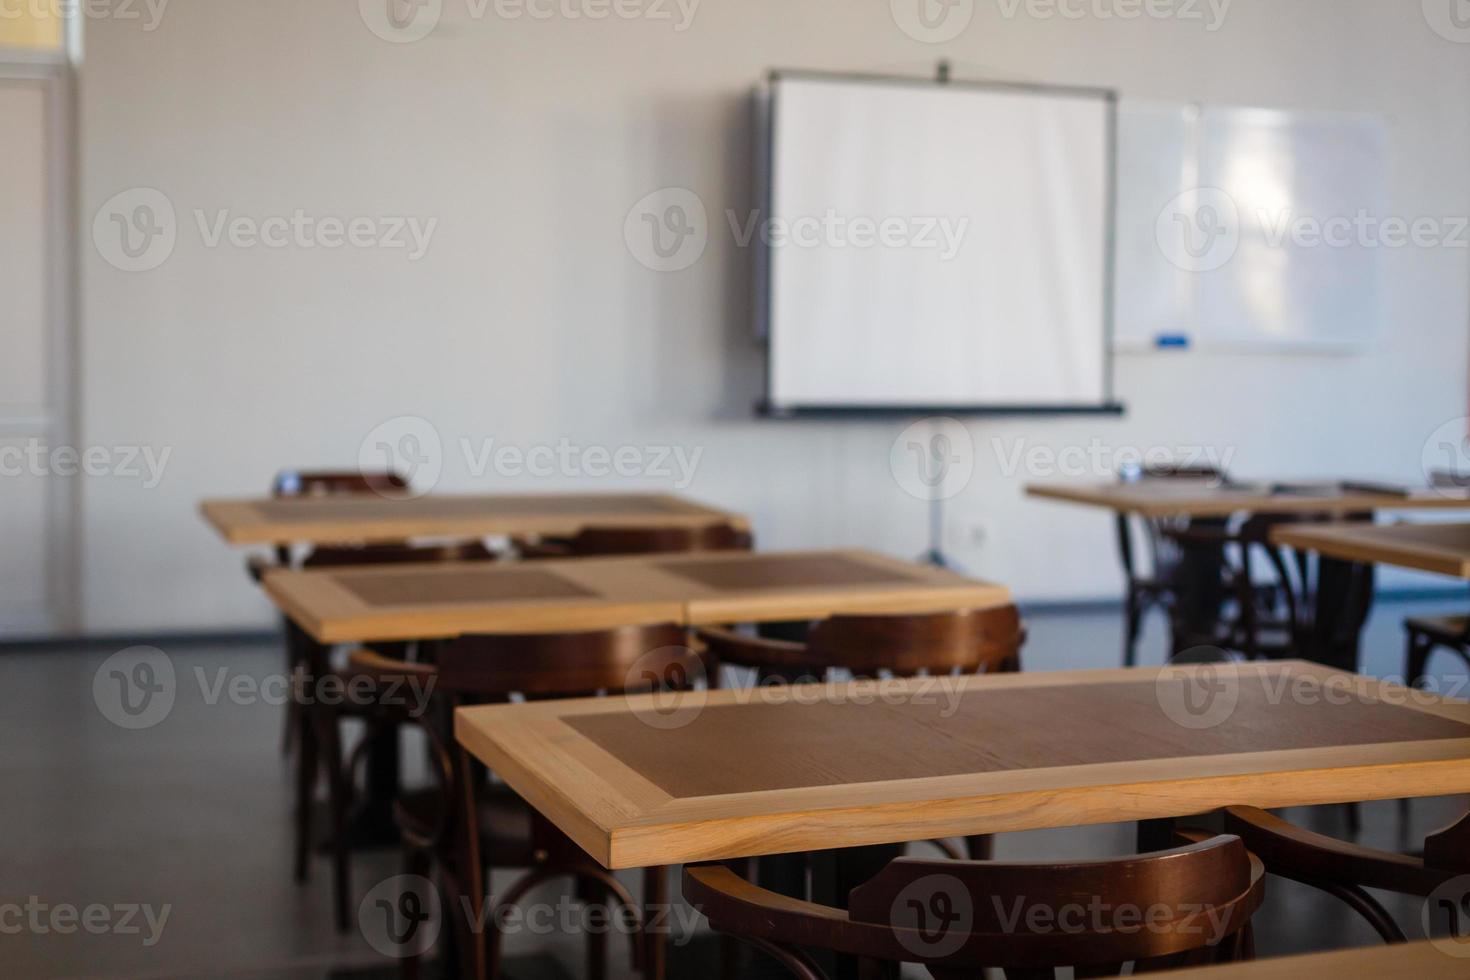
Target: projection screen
(934,246)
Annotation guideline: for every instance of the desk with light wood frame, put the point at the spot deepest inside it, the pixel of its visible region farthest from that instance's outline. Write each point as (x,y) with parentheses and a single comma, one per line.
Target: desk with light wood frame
(1414,961)
(1443,549)
(444,600)
(1192,498)
(665,779)
(378,518)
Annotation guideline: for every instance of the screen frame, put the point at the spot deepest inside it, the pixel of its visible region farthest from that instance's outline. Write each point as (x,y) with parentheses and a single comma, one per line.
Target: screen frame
(767,109)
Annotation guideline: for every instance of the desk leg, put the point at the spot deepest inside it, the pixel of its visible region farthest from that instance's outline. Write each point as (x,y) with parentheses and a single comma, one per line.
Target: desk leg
(1344,600)
(371,823)
(834,875)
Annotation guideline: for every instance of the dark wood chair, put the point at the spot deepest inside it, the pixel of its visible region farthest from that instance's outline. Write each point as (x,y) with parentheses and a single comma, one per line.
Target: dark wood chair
(1152,587)
(321,755)
(1266,617)
(958,918)
(961,641)
(1344,870)
(637,541)
(1426,635)
(506,833)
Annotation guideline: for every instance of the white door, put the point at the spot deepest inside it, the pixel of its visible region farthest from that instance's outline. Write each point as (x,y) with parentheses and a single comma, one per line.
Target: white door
(37,507)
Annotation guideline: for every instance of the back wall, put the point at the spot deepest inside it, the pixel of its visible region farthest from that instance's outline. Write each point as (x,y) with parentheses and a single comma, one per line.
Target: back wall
(368,229)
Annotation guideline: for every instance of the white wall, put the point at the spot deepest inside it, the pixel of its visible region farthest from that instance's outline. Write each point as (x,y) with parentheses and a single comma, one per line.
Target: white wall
(529,320)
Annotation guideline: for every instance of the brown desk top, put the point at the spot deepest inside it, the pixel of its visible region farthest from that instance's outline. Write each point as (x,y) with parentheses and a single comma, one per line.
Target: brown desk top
(1441,548)
(1171,498)
(709,775)
(384,519)
(1415,961)
(400,602)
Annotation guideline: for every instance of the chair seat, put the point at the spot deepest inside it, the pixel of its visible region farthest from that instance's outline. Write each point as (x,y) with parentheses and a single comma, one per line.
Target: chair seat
(506,837)
(1449,630)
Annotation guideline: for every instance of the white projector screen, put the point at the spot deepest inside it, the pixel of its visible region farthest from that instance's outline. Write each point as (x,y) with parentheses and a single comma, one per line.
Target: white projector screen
(937,246)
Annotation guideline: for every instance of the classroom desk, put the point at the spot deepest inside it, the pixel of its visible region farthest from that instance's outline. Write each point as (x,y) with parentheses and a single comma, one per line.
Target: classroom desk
(1414,961)
(1344,588)
(668,779)
(1192,498)
(1443,549)
(444,600)
(376,518)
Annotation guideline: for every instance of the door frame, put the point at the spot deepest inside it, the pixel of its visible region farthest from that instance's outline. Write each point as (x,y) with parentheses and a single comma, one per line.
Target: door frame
(58,423)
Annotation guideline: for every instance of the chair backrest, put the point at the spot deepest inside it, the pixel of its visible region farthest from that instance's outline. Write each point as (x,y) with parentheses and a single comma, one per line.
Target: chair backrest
(1186,906)
(968,640)
(331,483)
(391,554)
(654,540)
(1161,554)
(550,665)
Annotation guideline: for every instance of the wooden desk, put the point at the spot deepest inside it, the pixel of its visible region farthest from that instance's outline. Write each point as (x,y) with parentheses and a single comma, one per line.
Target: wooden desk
(1190,498)
(1415,961)
(374,518)
(418,602)
(652,780)
(1440,548)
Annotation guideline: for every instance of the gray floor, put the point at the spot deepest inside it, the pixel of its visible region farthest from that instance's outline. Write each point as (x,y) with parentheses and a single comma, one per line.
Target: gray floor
(191,817)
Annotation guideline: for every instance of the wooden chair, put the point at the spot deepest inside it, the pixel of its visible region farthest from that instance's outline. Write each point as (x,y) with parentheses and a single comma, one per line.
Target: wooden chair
(319,753)
(1271,617)
(1427,634)
(637,541)
(1344,870)
(308,483)
(960,917)
(1153,588)
(965,641)
(506,833)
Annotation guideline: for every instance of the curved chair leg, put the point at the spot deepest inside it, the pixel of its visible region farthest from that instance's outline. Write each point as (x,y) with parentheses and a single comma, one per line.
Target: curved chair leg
(415,862)
(980,847)
(306,775)
(1368,907)
(591,894)
(797,963)
(1133,627)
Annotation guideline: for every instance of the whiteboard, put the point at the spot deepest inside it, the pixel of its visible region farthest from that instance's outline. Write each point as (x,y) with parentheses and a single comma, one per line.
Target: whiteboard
(1248,228)
(988,283)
